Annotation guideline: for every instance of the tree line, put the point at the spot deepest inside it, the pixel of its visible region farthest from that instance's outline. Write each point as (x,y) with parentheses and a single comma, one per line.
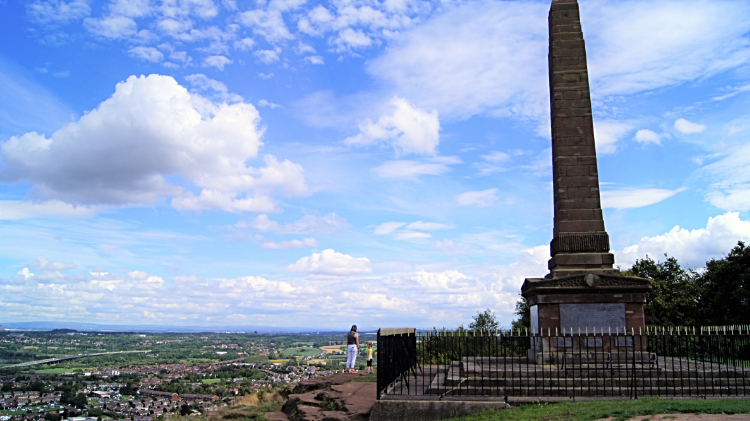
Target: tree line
(716,295)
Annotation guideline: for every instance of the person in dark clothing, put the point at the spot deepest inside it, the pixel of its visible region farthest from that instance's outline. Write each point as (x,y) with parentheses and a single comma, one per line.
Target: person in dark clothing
(352,348)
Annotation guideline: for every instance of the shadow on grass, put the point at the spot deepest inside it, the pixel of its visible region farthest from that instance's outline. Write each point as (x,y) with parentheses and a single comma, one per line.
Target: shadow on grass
(620,410)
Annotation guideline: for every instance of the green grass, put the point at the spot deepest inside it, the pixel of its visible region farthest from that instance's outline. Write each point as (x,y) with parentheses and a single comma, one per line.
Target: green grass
(55,370)
(305,352)
(211,381)
(620,410)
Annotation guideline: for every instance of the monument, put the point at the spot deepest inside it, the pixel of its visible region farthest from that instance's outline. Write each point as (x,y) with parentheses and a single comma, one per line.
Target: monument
(583,292)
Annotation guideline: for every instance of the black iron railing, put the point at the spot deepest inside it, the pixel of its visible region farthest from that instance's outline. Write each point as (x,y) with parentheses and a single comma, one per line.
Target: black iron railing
(606,363)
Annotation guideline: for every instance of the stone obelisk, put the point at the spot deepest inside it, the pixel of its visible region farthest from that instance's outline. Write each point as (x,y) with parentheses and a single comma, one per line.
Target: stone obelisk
(582,292)
(579,243)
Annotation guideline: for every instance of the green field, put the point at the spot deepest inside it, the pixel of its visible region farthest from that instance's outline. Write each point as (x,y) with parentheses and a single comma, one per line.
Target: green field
(619,410)
(304,352)
(56,370)
(211,381)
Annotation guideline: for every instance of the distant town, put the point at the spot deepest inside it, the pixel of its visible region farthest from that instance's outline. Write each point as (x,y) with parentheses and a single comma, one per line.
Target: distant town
(146,376)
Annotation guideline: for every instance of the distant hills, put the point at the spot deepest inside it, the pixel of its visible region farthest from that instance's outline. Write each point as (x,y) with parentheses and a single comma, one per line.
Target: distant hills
(91,327)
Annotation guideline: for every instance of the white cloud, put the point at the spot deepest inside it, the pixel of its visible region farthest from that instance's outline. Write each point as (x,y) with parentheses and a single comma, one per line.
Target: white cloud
(266,23)
(730,187)
(496,156)
(112,27)
(18,209)
(466,71)
(409,169)
(265,75)
(407,129)
(42,263)
(481,198)
(146,53)
(387,227)
(55,11)
(607,134)
(267,56)
(647,136)
(332,263)
(202,82)
(410,235)
(244,44)
(313,59)
(429,226)
(131,8)
(149,129)
(308,223)
(292,244)
(687,127)
(266,103)
(691,247)
(217,61)
(636,198)
(351,39)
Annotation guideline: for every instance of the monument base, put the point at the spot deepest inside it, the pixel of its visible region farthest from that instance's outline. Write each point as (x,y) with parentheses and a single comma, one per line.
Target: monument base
(575,315)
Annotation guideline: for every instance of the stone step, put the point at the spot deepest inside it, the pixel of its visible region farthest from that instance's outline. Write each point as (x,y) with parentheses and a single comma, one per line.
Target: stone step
(612,382)
(583,391)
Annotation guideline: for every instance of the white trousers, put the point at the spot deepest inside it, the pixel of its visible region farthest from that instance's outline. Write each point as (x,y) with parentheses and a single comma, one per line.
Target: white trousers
(351,356)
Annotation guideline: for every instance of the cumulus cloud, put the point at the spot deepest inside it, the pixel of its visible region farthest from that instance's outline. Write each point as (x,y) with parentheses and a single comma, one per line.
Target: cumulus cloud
(407,129)
(152,128)
(244,44)
(146,53)
(112,27)
(636,198)
(687,127)
(314,59)
(308,223)
(647,136)
(267,56)
(331,263)
(217,61)
(481,198)
(691,247)
(55,11)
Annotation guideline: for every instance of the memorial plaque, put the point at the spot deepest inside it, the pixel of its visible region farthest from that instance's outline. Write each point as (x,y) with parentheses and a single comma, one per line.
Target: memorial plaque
(563,342)
(591,316)
(594,342)
(534,310)
(625,341)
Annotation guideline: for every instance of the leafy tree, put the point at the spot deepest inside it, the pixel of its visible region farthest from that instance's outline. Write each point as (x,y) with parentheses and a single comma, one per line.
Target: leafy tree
(484,320)
(672,299)
(80,401)
(725,289)
(524,314)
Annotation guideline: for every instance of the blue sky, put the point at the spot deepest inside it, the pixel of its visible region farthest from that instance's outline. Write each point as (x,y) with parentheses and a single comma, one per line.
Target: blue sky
(317,164)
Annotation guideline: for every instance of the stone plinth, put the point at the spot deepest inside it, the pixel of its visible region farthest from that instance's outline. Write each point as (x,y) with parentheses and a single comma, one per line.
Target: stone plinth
(585,306)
